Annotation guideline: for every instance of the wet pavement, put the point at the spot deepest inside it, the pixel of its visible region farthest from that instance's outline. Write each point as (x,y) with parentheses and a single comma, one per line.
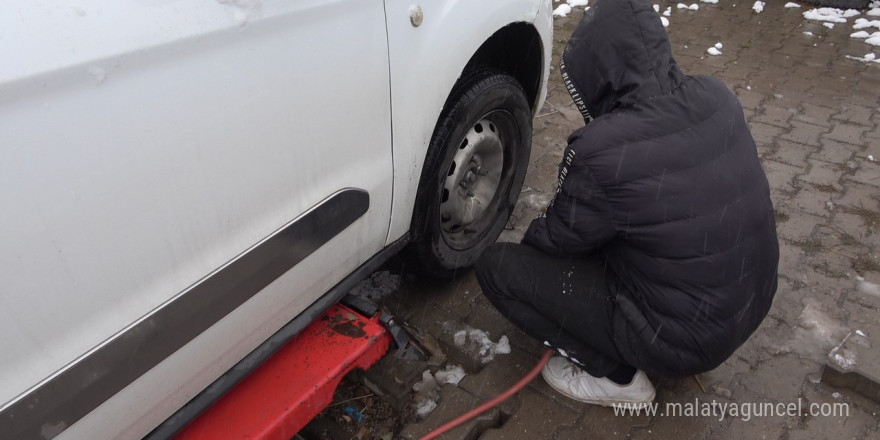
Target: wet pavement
(815,115)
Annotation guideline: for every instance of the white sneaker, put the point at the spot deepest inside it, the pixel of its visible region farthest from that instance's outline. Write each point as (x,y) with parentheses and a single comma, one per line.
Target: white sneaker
(566,377)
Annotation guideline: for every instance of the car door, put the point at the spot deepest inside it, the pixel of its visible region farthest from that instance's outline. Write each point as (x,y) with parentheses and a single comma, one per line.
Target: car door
(178,180)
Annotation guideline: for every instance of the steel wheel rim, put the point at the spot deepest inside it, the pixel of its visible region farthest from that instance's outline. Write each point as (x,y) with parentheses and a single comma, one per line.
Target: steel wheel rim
(470,193)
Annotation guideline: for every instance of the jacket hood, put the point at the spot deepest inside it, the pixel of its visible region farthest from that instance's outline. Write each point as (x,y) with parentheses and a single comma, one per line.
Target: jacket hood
(618,55)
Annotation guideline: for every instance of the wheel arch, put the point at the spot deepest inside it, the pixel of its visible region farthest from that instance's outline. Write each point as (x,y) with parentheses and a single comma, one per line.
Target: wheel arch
(516,49)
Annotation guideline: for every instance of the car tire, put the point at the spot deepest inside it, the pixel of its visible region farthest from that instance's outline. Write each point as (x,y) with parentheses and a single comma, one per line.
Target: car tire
(473,172)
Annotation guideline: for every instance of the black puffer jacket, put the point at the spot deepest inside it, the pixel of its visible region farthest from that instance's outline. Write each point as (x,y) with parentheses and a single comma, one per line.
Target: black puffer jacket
(666,185)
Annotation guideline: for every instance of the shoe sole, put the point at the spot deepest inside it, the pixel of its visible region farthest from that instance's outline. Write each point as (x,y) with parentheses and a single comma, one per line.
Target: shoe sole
(604,403)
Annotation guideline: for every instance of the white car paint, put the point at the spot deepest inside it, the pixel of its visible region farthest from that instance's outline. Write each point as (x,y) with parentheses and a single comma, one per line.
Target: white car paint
(144,145)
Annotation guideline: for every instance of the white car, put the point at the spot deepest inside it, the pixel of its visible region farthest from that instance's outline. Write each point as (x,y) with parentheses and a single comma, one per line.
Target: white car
(182,180)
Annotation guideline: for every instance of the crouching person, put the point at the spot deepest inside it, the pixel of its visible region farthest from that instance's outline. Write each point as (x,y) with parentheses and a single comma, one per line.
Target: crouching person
(658,253)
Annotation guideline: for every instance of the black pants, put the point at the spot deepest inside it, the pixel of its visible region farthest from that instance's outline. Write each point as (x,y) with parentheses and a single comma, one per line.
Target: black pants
(564,303)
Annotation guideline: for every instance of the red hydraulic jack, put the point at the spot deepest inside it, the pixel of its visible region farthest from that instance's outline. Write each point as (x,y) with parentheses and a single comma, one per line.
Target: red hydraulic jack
(281,396)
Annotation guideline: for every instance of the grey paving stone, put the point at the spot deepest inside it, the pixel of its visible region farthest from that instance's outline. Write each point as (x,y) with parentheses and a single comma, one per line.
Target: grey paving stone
(453,402)
(535,417)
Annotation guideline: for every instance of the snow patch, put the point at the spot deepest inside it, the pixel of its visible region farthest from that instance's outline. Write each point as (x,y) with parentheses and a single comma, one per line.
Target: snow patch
(710,1)
(562,10)
(425,407)
(868,58)
(862,23)
(713,51)
(665,21)
(828,25)
(451,374)
(792,5)
(480,340)
(866,287)
(692,6)
(576,3)
(833,15)
(427,390)
(758,7)
(667,12)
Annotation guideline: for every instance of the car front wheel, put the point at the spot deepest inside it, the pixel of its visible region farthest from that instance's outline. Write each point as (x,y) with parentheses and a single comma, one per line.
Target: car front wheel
(475,167)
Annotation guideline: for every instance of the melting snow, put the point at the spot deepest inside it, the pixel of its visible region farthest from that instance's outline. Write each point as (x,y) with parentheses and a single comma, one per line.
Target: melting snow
(692,7)
(828,25)
(425,407)
(713,51)
(451,374)
(758,7)
(866,287)
(562,10)
(845,359)
(427,390)
(665,21)
(868,58)
(480,339)
(792,5)
(830,14)
(862,23)
(710,1)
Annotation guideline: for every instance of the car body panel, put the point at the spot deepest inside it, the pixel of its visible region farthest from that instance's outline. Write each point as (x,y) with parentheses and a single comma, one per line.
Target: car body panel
(142,158)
